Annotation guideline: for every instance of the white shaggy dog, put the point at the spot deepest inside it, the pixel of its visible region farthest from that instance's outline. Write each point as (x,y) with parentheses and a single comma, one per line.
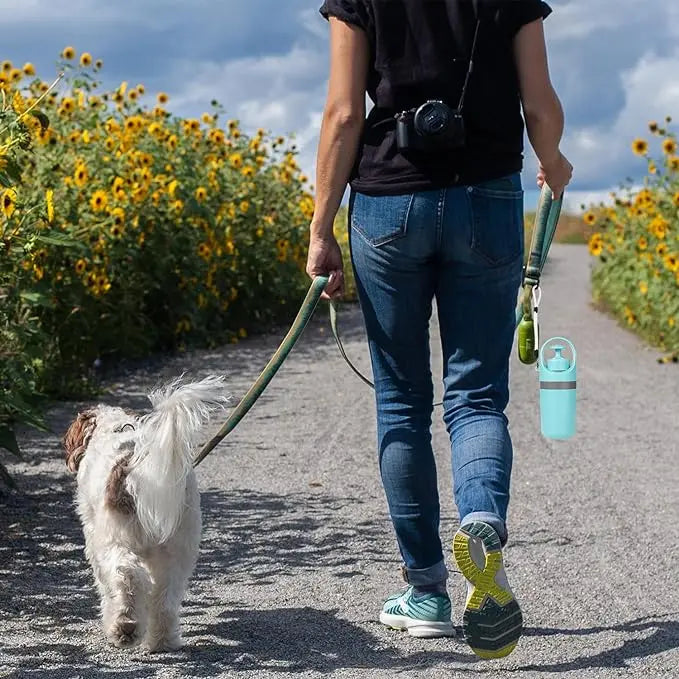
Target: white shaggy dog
(139,506)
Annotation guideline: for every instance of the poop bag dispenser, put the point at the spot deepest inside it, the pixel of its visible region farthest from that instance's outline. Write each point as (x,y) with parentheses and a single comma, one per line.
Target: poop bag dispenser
(557,389)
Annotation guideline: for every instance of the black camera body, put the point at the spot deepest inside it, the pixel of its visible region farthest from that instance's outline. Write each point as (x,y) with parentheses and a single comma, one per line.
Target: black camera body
(433,127)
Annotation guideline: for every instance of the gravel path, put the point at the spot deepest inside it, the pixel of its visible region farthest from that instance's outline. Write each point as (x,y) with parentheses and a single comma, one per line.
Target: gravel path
(298,552)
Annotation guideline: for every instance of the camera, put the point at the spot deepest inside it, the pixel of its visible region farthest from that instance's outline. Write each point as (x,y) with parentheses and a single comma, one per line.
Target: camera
(432,128)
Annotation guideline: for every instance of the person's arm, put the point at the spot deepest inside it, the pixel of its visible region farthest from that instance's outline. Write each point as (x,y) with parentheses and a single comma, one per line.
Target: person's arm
(541,107)
(341,129)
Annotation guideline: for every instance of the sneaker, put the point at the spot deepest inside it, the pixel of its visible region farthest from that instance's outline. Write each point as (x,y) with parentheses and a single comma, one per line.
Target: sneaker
(424,615)
(492,620)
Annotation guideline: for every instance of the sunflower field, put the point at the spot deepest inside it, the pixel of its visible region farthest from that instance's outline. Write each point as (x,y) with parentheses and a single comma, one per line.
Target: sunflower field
(126,230)
(636,243)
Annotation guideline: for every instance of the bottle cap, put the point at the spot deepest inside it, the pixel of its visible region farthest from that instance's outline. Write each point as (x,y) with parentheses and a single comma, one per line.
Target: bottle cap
(558,363)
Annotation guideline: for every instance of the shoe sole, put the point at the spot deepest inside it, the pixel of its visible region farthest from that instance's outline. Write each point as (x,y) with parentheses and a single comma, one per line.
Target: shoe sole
(422,629)
(492,620)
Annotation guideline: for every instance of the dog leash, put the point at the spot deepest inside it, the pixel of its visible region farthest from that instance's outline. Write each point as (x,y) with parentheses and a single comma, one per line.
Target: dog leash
(546,219)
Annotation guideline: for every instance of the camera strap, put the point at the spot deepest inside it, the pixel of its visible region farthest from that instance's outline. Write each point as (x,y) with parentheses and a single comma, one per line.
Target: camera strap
(471,67)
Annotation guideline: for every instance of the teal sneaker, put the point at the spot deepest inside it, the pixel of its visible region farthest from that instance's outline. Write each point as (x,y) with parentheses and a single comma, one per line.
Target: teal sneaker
(425,616)
(492,620)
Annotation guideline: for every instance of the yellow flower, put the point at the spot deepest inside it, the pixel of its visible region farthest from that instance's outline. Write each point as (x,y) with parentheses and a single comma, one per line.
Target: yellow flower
(652,169)
(659,227)
(9,199)
(661,248)
(671,322)
(118,215)
(643,287)
(201,194)
(80,176)
(669,147)
(204,251)
(141,89)
(671,262)
(49,199)
(117,231)
(236,160)
(67,104)
(15,75)
(80,266)
(673,163)
(244,206)
(68,53)
(85,59)
(99,200)
(133,94)
(6,66)
(163,98)
(178,205)
(642,243)
(172,187)
(640,147)
(29,69)
(248,171)
(207,118)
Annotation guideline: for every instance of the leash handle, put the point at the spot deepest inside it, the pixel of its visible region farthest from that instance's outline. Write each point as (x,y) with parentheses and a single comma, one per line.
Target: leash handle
(238,413)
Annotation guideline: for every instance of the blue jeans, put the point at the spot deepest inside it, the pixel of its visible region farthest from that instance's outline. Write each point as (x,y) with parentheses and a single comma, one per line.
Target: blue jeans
(462,246)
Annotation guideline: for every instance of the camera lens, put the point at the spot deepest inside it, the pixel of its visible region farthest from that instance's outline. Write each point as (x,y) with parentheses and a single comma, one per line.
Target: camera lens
(432,118)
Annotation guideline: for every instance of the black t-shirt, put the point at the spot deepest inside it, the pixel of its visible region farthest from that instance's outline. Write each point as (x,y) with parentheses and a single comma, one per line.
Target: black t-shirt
(421,51)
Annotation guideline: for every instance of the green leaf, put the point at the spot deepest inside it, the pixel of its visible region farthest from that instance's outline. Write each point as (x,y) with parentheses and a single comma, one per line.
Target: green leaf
(35,298)
(4,475)
(5,180)
(44,120)
(59,239)
(8,441)
(12,170)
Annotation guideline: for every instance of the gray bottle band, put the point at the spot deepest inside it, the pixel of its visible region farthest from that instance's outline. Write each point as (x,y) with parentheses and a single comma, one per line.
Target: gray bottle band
(557,385)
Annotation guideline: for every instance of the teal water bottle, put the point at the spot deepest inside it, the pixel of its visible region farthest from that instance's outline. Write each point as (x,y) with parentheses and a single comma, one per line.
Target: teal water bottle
(557,389)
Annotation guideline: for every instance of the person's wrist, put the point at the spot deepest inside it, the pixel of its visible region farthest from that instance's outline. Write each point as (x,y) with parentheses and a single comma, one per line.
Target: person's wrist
(551,160)
(321,230)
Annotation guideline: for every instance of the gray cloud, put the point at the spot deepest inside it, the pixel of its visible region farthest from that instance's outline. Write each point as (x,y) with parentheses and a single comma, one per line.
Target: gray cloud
(614,63)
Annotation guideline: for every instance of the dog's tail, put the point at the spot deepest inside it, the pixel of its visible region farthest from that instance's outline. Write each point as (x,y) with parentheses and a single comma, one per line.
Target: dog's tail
(162,459)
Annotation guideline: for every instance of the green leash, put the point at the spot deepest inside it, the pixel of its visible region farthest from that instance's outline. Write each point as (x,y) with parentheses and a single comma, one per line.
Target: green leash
(546,220)
(303,316)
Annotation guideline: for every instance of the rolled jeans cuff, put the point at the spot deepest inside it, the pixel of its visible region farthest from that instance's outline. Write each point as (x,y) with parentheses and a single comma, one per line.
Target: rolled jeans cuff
(422,577)
(493,520)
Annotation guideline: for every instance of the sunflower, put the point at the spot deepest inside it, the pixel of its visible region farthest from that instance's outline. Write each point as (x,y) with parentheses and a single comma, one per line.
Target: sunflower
(172,141)
(99,201)
(640,147)
(675,199)
(671,262)
(589,218)
(74,137)
(244,206)
(9,199)
(671,322)
(162,98)
(201,194)
(98,64)
(49,200)
(172,188)
(204,251)
(596,245)
(133,94)
(659,227)
(117,231)
(673,163)
(68,53)
(217,137)
(236,160)
(80,266)
(118,215)
(653,127)
(643,287)
(669,147)
(85,59)
(29,69)
(15,75)
(68,104)
(141,89)
(207,118)
(661,248)
(248,171)
(642,243)
(80,176)
(7,66)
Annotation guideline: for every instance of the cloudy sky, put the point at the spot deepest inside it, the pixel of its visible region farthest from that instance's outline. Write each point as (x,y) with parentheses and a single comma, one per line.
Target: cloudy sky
(615,64)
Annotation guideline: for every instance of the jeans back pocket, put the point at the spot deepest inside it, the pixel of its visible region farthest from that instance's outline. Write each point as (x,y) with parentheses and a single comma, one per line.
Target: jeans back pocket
(497,229)
(380,219)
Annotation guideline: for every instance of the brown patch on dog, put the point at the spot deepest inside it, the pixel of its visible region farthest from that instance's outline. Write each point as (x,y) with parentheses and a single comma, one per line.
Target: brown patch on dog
(117,498)
(77,438)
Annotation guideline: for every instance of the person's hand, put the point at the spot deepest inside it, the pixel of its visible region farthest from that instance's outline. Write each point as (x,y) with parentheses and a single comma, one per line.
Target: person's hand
(325,259)
(556,174)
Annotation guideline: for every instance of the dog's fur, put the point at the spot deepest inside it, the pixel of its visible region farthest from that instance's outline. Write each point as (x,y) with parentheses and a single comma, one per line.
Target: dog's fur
(139,505)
